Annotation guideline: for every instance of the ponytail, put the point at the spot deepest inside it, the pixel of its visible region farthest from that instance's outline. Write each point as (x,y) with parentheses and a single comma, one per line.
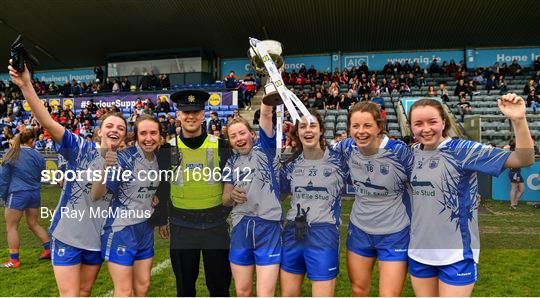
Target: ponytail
(22,138)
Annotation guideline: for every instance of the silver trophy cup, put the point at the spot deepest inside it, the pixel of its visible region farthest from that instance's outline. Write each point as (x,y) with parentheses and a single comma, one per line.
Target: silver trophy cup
(271,96)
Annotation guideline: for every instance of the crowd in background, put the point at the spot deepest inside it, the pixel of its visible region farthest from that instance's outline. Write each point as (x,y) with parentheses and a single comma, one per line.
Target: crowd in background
(316,89)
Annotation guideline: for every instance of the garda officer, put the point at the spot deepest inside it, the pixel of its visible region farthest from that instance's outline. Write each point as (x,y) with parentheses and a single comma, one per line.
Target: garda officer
(191,203)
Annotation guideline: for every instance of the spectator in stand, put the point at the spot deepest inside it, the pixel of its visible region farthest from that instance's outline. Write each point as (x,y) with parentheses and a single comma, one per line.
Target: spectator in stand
(312,71)
(443,93)
(230,118)
(108,85)
(412,81)
(99,73)
(7,136)
(444,68)
(461,88)
(144,84)
(504,70)
(471,89)
(92,108)
(149,103)
(383,88)
(333,87)
(250,88)
(490,82)
(529,86)
(407,68)
(515,68)
(164,82)
(53,88)
(171,125)
(236,114)
(452,67)
(365,97)
(147,110)
(302,71)
(404,89)
(41,143)
(533,101)
(163,105)
(85,116)
(116,86)
(347,101)
(478,78)
(500,84)
(3,107)
(332,102)
(125,86)
(66,89)
(344,78)
(214,121)
(378,99)
(319,101)
(397,67)
(537,64)
(434,67)
(363,68)
(416,69)
(431,92)
(388,69)
(464,107)
(402,79)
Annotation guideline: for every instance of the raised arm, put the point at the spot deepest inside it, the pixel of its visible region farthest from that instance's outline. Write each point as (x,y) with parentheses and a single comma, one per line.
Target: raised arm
(40,112)
(513,107)
(265,122)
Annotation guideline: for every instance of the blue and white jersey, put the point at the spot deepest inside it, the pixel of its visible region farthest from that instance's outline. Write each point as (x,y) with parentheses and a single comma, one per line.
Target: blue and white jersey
(257,172)
(73,223)
(315,184)
(22,175)
(381,185)
(444,228)
(133,184)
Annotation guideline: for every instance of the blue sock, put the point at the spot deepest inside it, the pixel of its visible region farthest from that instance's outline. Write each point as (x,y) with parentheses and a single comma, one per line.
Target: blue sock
(46,245)
(14,256)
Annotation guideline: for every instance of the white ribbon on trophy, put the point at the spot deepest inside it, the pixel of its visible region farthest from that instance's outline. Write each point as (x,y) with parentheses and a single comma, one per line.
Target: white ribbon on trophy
(279,129)
(288,97)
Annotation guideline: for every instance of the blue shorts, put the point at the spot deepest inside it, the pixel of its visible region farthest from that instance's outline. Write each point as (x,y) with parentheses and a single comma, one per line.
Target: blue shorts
(390,247)
(461,273)
(132,243)
(66,255)
(22,200)
(318,254)
(255,241)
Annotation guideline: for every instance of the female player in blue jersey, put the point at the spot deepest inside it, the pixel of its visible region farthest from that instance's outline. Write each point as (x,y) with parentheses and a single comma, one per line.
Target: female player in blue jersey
(251,186)
(127,242)
(315,178)
(379,221)
(20,187)
(76,243)
(445,245)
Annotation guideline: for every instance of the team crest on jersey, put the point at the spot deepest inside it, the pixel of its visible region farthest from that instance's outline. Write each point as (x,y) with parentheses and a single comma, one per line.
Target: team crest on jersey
(433,163)
(121,250)
(327,172)
(299,172)
(385,169)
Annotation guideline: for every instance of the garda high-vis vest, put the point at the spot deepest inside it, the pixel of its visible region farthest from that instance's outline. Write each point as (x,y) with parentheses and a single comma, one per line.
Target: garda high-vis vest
(193,188)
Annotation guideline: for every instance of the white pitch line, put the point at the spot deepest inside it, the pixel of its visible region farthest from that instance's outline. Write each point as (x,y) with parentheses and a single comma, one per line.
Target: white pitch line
(155,270)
